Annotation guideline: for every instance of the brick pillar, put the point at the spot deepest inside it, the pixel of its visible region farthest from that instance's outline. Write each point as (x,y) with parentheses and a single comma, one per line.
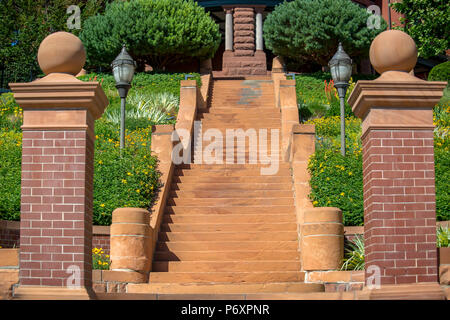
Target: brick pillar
(398,168)
(57,180)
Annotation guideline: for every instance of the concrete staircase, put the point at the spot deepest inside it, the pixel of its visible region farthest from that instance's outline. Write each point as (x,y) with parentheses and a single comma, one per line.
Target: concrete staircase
(227,228)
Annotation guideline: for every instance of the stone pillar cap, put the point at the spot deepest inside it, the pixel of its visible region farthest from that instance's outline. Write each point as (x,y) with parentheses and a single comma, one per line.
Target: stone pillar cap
(393,53)
(61,56)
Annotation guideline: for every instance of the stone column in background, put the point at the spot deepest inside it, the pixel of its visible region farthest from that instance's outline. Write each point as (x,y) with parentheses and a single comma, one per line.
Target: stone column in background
(57,172)
(259,29)
(398,165)
(228,29)
(244,60)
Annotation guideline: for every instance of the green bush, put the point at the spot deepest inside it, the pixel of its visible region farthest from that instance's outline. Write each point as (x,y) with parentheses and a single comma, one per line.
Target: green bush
(336,181)
(441,72)
(10,113)
(156,32)
(10,174)
(310,30)
(130,180)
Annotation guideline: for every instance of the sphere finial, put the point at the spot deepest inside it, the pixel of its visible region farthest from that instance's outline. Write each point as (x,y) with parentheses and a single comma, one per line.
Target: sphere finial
(61,52)
(393,50)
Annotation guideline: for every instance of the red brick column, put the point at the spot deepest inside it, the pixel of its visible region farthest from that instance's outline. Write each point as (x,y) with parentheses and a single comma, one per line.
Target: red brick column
(398,165)
(56,206)
(57,176)
(398,170)
(399,202)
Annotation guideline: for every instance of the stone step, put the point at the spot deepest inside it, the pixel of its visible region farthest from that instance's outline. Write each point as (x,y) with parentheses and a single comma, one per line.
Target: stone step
(231,194)
(279,255)
(230,186)
(225,288)
(227,202)
(225,245)
(223,126)
(238,172)
(227,266)
(236,123)
(233,108)
(255,179)
(237,111)
(233,210)
(227,227)
(227,277)
(221,218)
(229,166)
(229,236)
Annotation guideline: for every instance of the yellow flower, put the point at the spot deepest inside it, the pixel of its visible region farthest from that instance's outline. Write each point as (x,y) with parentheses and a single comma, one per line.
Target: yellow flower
(124,181)
(342,193)
(102,205)
(138,191)
(100,162)
(129,173)
(350,173)
(315,203)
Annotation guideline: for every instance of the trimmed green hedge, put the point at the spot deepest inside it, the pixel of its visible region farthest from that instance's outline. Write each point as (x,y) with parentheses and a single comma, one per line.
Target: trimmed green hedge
(441,72)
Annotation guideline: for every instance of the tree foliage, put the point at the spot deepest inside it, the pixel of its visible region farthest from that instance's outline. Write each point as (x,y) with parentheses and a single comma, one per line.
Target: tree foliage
(310,30)
(25,23)
(427,22)
(156,32)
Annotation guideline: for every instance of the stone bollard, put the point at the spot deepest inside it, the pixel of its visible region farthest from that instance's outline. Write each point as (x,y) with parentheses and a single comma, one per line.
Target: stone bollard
(322,243)
(131,243)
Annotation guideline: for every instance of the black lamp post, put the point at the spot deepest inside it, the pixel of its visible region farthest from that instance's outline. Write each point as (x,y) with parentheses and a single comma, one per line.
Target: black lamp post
(341,72)
(123,70)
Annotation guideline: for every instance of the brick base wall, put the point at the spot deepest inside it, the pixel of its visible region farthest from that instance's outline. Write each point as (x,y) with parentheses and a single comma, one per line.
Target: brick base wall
(56,214)
(399,197)
(10,234)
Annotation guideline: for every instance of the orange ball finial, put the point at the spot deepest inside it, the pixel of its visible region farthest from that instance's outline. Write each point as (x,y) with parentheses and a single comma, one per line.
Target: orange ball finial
(61,52)
(393,50)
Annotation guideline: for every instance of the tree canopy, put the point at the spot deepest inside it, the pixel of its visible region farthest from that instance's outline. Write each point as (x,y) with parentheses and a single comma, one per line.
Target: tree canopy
(428,23)
(310,30)
(26,23)
(155,32)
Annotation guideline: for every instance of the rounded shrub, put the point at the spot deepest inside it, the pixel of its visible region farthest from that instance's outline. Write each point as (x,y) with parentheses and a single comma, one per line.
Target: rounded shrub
(155,32)
(310,30)
(441,72)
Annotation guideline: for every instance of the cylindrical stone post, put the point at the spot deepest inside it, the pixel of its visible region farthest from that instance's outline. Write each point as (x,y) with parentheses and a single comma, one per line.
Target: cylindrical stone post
(259,29)
(322,239)
(57,168)
(131,243)
(228,29)
(398,164)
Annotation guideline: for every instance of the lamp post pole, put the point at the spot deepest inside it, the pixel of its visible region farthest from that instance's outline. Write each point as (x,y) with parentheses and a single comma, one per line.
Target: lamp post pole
(341,71)
(123,92)
(123,70)
(342,89)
